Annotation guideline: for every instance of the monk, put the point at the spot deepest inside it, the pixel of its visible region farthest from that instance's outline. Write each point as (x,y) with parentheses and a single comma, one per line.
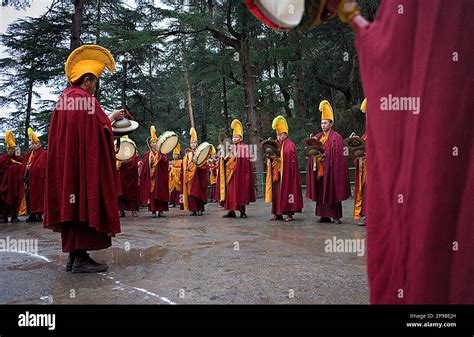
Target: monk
(283,181)
(128,184)
(213,166)
(33,172)
(219,195)
(195,180)
(360,190)
(240,181)
(155,178)
(80,191)
(10,180)
(333,187)
(175,176)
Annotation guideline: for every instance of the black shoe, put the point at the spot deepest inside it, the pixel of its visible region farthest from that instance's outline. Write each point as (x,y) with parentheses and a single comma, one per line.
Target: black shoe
(15,220)
(31,218)
(39,218)
(85,264)
(70,261)
(161,215)
(5,219)
(193,214)
(325,219)
(122,214)
(243,215)
(153,214)
(230,214)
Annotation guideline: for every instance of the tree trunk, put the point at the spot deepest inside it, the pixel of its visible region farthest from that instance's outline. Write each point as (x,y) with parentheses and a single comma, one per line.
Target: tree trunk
(77,24)
(301,97)
(187,81)
(226,107)
(97,41)
(249,87)
(124,85)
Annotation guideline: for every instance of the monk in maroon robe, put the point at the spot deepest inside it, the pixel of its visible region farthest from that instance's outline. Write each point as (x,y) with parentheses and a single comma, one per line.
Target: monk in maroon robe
(330,189)
(10,180)
(240,181)
(81,192)
(175,176)
(420,191)
(283,182)
(128,185)
(195,180)
(33,171)
(155,181)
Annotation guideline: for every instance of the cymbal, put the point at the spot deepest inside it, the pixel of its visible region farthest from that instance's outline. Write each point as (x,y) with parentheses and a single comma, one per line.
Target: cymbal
(353,142)
(312,142)
(313,151)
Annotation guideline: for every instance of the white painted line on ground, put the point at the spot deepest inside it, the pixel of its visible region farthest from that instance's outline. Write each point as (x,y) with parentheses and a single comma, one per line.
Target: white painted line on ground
(120,284)
(33,255)
(155,295)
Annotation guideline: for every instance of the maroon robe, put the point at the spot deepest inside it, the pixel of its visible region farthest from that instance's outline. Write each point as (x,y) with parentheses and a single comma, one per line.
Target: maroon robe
(10,184)
(36,178)
(419,165)
(158,199)
(287,196)
(129,189)
(197,197)
(240,190)
(334,186)
(80,192)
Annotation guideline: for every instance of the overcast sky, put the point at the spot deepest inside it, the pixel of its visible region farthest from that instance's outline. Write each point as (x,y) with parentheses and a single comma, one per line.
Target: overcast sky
(7,16)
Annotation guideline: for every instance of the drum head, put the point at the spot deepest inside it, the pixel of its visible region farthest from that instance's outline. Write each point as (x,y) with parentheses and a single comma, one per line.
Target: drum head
(167,142)
(202,153)
(127,150)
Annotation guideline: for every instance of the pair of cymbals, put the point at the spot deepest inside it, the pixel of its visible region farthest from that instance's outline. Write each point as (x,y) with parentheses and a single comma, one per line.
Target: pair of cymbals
(356,146)
(270,148)
(313,147)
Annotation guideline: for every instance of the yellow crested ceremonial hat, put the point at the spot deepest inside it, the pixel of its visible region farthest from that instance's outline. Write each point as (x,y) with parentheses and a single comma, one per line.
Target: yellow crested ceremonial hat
(177,149)
(153,133)
(237,127)
(326,110)
(88,58)
(213,149)
(33,136)
(9,139)
(279,124)
(193,134)
(363,106)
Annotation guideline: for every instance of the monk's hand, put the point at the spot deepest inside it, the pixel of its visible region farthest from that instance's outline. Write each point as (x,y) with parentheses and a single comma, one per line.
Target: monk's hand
(117,115)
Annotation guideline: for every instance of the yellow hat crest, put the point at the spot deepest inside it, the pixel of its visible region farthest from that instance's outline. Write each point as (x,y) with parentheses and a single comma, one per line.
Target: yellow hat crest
(326,110)
(213,150)
(9,139)
(32,135)
(363,106)
(279,124)
(193,134)
(153,133)
(177,149)
(88,58)
(237,127)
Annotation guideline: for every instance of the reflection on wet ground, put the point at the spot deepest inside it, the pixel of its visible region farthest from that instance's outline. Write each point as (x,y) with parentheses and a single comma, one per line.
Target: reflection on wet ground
(183,259)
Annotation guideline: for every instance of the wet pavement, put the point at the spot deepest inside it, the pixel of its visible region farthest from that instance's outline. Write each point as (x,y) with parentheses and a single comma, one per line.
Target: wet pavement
(196,260)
